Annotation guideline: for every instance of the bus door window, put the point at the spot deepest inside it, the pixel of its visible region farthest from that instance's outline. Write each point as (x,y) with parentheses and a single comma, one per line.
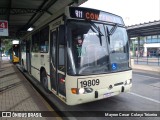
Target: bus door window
(57,64)
(61,68)
(61,58)
(28,54)
(53,69)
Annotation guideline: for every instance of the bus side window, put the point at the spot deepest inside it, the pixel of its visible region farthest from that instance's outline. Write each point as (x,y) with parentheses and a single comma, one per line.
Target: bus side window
(44,39)
(35,42)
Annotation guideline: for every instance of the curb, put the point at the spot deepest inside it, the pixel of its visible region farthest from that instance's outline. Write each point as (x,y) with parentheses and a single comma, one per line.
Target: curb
(147,68)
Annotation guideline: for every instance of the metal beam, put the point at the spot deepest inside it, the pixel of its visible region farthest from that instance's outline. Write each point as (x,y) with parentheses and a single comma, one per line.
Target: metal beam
(46,9)
(17,11)
(152,28)
(143,32)
(8,11)
(33,16)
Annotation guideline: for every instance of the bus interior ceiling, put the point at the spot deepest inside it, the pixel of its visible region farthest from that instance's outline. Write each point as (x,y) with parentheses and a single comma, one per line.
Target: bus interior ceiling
(22,15)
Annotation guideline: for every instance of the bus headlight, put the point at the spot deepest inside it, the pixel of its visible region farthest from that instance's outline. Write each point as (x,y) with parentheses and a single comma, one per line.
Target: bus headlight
(81,91)
(85,90)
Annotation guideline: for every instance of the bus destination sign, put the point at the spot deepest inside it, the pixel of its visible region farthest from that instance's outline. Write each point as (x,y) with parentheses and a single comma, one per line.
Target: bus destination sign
(91,14)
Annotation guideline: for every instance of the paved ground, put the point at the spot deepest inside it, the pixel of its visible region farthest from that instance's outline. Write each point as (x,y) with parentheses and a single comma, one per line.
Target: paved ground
(17,94)
(150,68)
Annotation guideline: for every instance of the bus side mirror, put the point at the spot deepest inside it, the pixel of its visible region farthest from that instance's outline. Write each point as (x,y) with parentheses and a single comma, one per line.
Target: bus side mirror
(61,35)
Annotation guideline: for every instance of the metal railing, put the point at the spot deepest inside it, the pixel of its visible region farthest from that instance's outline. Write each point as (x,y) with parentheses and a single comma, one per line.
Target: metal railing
(153,59)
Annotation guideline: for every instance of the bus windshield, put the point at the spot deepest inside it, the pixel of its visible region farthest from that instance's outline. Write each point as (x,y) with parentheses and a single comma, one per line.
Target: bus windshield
(91,50)
(118,49)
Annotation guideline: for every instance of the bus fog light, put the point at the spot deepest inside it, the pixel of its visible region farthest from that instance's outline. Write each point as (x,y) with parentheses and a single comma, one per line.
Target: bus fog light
(81,90)
(88,90)
(127,82)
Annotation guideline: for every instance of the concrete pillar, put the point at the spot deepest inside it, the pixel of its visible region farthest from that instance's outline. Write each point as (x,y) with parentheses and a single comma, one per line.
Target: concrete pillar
(132,62)
(145,50)
(133,50)
(138,47)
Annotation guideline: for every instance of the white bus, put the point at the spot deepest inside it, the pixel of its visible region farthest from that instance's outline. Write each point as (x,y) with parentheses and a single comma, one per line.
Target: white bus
(80,56)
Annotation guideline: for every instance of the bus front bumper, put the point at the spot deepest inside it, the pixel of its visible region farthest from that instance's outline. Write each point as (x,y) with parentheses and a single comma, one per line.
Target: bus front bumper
(97,94)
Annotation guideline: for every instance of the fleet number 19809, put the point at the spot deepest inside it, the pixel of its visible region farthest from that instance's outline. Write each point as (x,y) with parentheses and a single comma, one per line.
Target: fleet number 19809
(88,83)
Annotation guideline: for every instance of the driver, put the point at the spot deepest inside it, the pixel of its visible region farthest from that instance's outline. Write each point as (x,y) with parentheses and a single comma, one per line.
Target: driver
(78,40)
(78,44)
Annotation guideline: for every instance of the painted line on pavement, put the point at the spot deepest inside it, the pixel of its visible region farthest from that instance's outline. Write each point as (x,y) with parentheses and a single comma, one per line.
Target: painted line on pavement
(147,76)
(150,99)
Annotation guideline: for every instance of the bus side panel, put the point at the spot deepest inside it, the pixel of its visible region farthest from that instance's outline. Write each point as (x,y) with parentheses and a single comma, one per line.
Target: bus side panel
(35,65)
(44,63)
(23,54)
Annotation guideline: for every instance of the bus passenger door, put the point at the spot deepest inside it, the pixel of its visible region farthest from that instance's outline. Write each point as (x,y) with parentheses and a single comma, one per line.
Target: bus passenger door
(61,70)
(61,55)
(57,64)
(53,60)
(28,56)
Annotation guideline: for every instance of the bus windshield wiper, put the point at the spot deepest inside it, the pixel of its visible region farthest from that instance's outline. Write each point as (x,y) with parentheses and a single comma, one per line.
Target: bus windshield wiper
(113,29)
(98,30)
(108,34)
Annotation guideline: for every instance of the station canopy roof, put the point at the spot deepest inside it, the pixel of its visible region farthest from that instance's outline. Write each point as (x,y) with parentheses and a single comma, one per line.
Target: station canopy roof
(145,29)
(23,14)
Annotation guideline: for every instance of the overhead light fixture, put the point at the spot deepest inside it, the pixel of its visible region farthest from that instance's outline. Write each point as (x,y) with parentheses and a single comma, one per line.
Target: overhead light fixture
(134,38)
(30,29)
(15,41)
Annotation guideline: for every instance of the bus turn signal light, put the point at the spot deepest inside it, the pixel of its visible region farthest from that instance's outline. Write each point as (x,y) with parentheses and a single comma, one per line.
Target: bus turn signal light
(74,90)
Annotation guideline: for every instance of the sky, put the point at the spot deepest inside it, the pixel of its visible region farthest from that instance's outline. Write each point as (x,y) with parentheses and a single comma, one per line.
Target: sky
(132,11)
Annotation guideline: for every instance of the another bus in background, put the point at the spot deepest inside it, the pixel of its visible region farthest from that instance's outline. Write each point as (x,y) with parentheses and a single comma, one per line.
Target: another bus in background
(15,51)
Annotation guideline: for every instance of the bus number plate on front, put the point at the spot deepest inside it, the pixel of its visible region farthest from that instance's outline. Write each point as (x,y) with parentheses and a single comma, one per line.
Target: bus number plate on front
(88,83)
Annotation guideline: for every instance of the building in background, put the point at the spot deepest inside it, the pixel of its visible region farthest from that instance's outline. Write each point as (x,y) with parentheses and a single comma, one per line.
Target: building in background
(145,39)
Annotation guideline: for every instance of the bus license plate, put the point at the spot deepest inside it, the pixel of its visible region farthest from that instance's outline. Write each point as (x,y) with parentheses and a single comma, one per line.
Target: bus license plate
(107,95)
